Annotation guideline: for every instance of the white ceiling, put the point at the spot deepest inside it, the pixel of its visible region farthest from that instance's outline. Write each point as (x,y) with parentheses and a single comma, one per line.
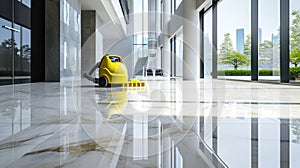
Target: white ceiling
(109,29)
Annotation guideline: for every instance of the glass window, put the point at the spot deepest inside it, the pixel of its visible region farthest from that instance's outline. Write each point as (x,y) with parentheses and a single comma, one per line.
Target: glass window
(234,39)
(294,40)
(17,50)
(208,44)
(161,15)
(172,6)
(268,36)
(295,75)
(26,52)
(179,54)
(26,2)
(5,49)
(177,3)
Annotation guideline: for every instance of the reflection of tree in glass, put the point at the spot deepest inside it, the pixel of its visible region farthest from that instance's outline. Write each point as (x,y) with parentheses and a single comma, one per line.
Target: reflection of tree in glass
(296,130)
(226,46)
(295,39)
(25,59)
(247,46)
(266,54)
(8,43)
(21,58)
(26,51)
(295,30)
(5,53)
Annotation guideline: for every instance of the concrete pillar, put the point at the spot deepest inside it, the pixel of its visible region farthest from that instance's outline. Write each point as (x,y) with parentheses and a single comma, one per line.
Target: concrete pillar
(52,41)
(55,40)
(91,40)
(191,57)
(166,64)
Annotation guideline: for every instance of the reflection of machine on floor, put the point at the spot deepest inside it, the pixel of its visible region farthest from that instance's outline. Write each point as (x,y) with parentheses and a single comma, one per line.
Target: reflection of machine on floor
(112,103)
(112,71)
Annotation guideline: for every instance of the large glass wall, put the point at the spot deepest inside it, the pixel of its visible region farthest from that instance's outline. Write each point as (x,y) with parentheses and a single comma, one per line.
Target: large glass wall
(15,52)
(268,40)
(295,77)
(234,39)
(176,55)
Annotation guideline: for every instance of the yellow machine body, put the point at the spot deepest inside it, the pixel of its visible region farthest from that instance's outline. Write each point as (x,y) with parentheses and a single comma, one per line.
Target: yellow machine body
(113,69)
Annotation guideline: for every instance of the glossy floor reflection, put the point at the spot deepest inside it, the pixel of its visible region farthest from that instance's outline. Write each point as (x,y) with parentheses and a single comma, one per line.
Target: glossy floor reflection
(208,123)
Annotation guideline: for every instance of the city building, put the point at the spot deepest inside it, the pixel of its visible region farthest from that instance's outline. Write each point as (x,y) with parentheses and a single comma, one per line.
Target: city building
(259,35)
(240,40)
(65,101)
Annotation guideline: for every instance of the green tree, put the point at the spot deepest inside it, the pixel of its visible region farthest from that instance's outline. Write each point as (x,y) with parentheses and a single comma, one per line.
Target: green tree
(295,57)
(266,52)
(8,43)
(295,30)
(226,46)
(236,59)
(247,46)
(5,57)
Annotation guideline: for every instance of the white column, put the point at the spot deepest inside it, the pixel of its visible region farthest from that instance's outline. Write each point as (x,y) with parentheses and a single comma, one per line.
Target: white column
(166,64)
(191,56)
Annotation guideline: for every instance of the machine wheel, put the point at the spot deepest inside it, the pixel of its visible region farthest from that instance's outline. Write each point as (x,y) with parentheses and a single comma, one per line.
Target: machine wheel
(103,81)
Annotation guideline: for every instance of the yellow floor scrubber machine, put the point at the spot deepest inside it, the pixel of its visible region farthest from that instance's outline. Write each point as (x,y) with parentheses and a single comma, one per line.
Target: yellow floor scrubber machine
(112,71)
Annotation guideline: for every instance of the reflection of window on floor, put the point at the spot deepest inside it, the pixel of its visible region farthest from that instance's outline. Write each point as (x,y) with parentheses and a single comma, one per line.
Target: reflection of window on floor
(140,137)
(268,147)
(19,114)
(176,157)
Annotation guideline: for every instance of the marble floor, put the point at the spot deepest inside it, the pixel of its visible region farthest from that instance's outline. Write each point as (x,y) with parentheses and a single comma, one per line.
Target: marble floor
(168,124)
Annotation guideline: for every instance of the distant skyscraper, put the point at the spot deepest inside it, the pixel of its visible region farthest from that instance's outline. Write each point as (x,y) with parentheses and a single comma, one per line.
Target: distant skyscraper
(240,39)
(276,38)
(259,35)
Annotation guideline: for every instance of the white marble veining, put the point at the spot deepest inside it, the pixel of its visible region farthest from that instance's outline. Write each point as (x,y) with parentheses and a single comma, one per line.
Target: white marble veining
(206,123)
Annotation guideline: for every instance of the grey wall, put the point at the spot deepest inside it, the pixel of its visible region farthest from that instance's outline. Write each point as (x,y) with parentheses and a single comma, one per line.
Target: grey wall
(88,42)
(92,40)
(52,47)
(70,40)
(56,40)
